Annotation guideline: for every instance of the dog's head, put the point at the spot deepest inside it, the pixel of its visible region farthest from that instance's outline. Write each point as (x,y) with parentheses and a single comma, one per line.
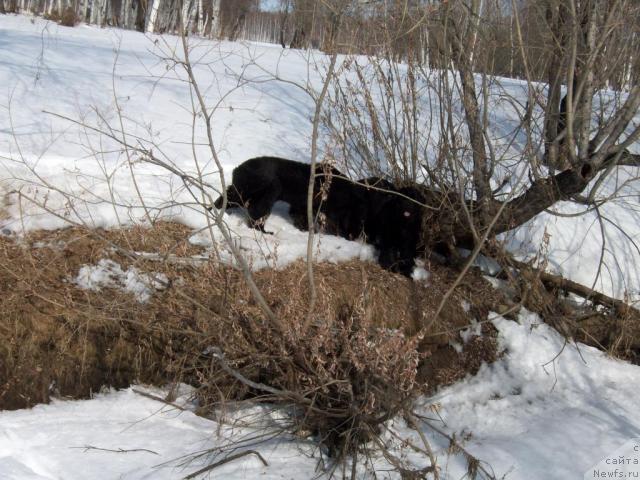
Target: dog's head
(399,233)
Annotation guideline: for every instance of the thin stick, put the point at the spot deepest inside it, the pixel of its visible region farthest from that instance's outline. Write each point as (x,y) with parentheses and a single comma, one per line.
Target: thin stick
(157,398)
(117,450)
(228,459)
(310,193)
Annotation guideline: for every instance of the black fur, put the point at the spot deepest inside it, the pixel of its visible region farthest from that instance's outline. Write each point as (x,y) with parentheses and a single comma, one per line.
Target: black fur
(259,182)
(370,207)
(394,225)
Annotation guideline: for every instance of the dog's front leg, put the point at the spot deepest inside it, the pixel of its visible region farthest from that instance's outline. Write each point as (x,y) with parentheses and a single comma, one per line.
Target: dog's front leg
(259,224)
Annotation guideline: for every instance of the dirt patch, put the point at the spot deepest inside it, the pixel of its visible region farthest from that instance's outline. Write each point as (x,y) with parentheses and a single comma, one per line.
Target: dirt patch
(57,339)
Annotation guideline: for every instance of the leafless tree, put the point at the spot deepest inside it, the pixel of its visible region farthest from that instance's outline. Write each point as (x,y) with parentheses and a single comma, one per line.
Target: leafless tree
(380,118)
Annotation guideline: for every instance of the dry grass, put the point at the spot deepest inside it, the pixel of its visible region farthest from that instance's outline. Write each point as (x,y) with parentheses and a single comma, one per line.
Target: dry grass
(56,339)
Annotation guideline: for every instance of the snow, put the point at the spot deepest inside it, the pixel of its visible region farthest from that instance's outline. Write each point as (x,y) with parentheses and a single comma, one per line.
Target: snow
(110,274)
(545,409)
(286,245)
(54,171)
(474,330)
(81,177)
(81,440)
(420,273)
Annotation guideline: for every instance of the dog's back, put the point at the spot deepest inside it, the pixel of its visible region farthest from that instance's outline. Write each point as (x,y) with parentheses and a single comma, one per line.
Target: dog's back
(285,178)
(259,182)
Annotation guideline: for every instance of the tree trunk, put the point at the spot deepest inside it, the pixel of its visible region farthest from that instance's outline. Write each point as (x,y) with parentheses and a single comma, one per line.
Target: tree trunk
(445,223)
(153,16)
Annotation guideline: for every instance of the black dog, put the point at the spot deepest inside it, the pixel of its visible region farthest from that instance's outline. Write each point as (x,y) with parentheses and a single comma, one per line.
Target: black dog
(259,182)
(371,206)
(393,224)
(347,204)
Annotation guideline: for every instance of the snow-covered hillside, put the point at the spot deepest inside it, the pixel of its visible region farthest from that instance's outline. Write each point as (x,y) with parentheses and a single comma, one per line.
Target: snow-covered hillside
(82,72)
(544,410)
(87,73)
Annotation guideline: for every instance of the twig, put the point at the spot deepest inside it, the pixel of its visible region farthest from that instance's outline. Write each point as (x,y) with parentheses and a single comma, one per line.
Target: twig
(118,450)
(218,355)
(228,459)
(457,445)
(157,398)
(310,190)
(432,458)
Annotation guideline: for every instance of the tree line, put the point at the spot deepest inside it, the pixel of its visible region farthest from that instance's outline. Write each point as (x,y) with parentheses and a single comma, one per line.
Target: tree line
(520,38)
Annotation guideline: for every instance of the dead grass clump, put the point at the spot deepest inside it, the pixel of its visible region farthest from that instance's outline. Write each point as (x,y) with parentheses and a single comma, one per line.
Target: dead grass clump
(57,339)
(340,381)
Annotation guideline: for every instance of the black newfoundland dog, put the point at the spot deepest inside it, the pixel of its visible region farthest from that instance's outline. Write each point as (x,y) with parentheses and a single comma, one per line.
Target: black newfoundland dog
(371,207)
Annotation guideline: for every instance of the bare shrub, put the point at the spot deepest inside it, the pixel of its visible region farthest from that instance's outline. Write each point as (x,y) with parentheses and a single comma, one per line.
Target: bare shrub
(340,383)
(360,363)
(377,119)
(477,175)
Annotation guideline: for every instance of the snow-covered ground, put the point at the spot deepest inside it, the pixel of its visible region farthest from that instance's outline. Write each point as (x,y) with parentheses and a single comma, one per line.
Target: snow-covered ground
(87,74)
(125,435)
(534,414)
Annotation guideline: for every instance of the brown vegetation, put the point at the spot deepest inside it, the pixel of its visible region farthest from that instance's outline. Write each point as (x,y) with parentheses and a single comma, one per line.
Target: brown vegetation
(57,339)
(602,322)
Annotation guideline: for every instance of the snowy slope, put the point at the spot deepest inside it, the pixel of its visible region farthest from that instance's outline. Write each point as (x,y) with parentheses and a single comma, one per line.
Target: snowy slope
(74,72)
(531,415)
(83,439)
(86,73)
(546,409)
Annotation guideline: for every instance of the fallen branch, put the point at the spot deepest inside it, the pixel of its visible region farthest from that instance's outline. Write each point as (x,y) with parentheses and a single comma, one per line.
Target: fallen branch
(157,399)
(557,281)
